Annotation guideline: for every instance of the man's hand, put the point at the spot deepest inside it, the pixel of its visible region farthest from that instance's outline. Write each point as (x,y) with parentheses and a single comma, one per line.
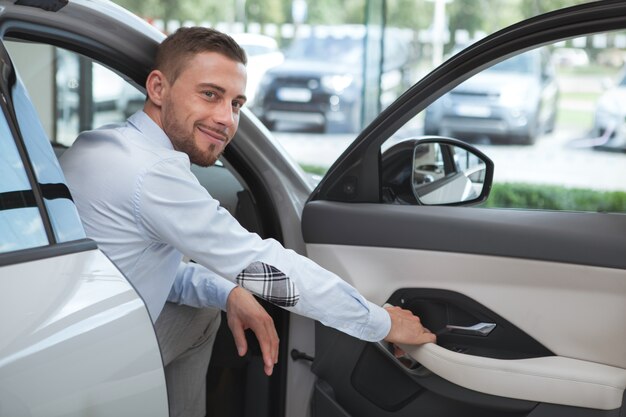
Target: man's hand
(244,312)
(406,328)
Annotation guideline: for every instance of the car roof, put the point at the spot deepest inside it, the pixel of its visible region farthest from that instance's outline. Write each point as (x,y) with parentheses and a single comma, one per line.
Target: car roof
(98,29)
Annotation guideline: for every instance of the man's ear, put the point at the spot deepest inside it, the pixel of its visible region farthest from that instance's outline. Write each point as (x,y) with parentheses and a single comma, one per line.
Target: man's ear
(155,86)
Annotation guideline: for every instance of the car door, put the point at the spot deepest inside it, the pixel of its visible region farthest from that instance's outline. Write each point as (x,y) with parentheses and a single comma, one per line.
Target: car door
(528,305)
(77,339)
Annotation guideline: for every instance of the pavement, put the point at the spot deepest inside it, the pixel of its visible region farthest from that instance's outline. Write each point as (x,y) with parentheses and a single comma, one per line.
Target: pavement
(562,158)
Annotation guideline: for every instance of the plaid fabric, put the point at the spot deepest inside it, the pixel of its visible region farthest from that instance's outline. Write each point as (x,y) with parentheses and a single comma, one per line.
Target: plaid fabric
(269,283)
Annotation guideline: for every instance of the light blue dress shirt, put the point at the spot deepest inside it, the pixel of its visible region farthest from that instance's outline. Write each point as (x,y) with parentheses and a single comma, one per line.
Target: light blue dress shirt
(139,200)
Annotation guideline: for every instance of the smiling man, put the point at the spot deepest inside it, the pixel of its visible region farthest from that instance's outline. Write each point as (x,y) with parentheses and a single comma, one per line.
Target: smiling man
(138,199)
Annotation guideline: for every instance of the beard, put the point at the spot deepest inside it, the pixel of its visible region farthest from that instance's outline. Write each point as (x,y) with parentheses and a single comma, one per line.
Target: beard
(184,141)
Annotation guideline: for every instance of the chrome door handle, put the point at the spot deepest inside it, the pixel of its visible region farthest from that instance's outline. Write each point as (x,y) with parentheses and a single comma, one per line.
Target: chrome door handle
(479,329)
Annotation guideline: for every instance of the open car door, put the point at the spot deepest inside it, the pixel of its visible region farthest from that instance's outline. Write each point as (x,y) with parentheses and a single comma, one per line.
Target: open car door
(529,306)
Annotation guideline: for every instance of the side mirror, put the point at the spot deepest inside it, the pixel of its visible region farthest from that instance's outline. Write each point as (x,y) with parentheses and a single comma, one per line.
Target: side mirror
(435,171)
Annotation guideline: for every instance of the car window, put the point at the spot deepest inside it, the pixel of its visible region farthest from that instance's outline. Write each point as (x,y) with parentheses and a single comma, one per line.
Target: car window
(35,65)
(72,93)
(553,123)
(21,226)
(61,209)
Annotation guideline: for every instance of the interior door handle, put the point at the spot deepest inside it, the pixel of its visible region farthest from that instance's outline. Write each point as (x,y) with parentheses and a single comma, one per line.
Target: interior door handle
(479,329)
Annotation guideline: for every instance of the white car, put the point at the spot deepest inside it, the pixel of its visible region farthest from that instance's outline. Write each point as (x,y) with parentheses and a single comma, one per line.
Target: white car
(263,54)
(570,57)
(609,122)
(529,305)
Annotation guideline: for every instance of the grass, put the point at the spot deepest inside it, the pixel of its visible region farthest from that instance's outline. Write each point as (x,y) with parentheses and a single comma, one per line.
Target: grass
(580,119)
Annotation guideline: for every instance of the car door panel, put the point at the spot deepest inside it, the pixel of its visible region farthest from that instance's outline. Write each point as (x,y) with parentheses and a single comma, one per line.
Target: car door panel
(460,266)
(358,379)
(568,237)
(85,341)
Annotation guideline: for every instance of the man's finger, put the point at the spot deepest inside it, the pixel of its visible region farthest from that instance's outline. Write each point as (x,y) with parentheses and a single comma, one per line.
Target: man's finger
(265,342)
(240,338)
(275,341)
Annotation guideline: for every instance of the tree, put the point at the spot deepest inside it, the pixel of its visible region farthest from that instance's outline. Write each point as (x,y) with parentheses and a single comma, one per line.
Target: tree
(531,8)
(331,12)
(265,11)
(211,10)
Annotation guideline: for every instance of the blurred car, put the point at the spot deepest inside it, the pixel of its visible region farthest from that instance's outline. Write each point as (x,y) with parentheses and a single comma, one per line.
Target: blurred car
(609,122)
(263,54)
(513,101)
(611,57)
(570,57)
(320,84)
(106,91)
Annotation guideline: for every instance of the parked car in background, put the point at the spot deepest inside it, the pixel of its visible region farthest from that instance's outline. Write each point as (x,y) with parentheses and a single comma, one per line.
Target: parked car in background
(611,57)
(320,84)
(609,122)
(514,101)
(263,54)
(570,57)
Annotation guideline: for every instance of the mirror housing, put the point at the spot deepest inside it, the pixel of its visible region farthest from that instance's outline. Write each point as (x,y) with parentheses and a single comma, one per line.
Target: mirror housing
(435,170)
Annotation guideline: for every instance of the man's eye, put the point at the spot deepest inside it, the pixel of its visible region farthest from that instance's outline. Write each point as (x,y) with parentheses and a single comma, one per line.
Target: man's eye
(237,104)
(209,94)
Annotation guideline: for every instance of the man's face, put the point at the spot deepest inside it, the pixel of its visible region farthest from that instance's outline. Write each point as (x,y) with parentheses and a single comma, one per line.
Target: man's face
(200,110)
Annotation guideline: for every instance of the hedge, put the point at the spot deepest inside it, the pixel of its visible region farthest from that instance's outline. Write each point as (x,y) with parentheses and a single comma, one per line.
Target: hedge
(551,197)
(542,197)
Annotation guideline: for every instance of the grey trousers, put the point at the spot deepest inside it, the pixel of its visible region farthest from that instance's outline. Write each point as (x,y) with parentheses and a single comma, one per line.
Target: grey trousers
(186,337)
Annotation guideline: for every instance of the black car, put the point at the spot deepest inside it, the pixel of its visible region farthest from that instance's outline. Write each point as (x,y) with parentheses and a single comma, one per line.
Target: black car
(320,83)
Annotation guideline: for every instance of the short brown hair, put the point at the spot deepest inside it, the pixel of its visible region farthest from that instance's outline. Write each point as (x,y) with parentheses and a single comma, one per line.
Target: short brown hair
(186,42)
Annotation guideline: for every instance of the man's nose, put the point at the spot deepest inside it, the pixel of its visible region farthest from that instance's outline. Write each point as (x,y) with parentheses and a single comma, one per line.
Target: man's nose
(224,115)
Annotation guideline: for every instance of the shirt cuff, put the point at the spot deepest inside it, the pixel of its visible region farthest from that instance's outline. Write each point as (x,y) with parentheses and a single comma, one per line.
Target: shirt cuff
(223,287)
(378,325)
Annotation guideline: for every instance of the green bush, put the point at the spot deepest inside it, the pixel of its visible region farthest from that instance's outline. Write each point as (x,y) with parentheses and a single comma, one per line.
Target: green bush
(550,197)
(314,169)
(541,197)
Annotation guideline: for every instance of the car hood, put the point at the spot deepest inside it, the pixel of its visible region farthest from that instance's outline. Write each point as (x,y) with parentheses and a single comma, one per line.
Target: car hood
(313,68)
(496,82)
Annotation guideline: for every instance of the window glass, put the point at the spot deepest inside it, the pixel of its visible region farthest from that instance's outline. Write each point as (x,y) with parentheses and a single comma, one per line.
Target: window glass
(21,226)
(71,93)
(62,211)
(552,119)
(60,96)
(89,95)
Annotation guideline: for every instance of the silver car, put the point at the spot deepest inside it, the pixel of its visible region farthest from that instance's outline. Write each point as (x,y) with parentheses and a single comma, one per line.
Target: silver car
(514,101)
(529,314)
(609,122)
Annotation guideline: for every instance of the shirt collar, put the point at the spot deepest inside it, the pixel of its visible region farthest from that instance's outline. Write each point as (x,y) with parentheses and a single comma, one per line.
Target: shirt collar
(144,124)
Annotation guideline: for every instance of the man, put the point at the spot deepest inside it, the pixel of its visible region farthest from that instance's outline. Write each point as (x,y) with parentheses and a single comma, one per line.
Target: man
(138,199)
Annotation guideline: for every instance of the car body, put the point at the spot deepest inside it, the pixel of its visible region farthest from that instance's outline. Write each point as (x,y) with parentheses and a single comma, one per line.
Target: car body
(320,83)
(529,314)
(570,57)
(609,123)
(514,101)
